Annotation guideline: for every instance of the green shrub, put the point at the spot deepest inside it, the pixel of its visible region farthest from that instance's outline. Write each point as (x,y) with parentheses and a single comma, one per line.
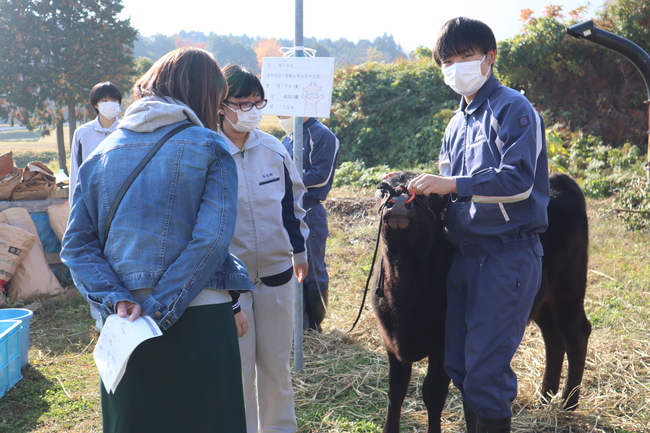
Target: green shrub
(601,169)
(391,114)
(356,174)
(49,158)
(633,203)
(596,186)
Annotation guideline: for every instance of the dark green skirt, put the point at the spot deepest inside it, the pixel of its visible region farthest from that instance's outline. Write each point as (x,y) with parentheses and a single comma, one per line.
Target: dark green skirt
(187,380)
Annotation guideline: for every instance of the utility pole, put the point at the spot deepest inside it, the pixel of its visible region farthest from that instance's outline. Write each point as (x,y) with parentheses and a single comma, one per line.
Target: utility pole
(298,354)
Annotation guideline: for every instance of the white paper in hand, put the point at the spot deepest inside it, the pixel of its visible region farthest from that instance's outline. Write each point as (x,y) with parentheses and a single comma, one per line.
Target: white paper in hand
(117,341)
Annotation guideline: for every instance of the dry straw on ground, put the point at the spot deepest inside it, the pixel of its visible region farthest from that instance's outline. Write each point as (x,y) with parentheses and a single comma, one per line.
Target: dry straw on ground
(345,374)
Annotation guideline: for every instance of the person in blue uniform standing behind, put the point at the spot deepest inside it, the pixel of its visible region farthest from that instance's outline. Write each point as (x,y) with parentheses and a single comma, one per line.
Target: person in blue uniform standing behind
(320,149)
(493,161)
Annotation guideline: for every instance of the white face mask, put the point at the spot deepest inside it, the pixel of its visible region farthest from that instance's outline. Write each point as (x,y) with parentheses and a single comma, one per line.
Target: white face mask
(465,78)
(108,109)
(247,121)
(287,125)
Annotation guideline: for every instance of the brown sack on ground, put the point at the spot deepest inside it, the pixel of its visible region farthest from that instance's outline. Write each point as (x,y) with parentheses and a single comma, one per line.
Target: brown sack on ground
(15,244)
(37,182)
(6,164)
(58,215)
(10,176)
(33,278)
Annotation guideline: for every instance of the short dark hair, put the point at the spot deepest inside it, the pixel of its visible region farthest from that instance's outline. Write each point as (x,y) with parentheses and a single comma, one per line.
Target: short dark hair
(104,90)
(189,75)
(242,82)
(462,34)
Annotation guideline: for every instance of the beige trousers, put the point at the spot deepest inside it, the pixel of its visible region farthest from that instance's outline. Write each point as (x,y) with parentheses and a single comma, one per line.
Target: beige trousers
(265,354)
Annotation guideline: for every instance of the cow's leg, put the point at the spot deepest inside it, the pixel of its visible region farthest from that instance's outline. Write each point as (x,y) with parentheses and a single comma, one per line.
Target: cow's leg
(434,390)
(576,329)
(399,376)
(554,345)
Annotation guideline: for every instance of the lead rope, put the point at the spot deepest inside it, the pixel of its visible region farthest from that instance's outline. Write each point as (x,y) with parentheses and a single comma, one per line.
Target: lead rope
(365,291)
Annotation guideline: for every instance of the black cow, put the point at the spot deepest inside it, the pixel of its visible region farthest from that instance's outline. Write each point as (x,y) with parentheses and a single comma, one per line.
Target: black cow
(409,292)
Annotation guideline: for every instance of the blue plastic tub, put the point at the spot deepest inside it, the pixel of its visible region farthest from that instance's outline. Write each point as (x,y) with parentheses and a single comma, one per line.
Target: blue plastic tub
(25,317)
(9,354)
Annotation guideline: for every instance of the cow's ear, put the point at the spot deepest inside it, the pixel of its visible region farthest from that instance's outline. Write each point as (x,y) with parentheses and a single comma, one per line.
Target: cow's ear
(381,190)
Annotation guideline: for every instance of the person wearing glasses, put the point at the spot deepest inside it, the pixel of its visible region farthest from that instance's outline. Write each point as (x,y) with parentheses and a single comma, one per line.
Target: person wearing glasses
(270,238)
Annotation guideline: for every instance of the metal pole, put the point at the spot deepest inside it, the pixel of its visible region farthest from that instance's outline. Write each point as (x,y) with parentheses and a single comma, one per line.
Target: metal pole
(646,166)
(297,157)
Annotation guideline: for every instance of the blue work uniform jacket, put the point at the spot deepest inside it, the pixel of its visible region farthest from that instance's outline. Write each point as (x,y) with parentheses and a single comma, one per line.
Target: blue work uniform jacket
(320,149)
(495,146)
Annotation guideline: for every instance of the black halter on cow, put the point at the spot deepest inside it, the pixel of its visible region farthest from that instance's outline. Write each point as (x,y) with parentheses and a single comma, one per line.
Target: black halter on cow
(409,292)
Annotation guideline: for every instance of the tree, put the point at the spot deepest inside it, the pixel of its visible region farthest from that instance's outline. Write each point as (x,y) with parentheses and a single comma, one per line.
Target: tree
(228,50)
(422,52)
(321,49)
(153,47)
(266,48)
(389,48)
(55,51)
(373,55)
(574,82)
(628,18)
(140,66)
(180,42)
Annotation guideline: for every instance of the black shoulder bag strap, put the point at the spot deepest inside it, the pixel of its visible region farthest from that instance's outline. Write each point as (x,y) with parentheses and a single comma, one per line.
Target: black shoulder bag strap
(136,171)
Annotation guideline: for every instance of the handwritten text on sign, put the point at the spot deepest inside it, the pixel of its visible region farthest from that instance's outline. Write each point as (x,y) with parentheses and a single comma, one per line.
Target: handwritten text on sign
(298,86)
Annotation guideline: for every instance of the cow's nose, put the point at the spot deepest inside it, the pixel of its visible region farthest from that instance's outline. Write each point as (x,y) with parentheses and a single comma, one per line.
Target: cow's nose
(399,206)
(398,217)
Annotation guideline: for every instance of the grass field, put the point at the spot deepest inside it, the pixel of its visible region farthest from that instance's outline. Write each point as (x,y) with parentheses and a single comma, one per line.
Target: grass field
(31,146)
(344,383)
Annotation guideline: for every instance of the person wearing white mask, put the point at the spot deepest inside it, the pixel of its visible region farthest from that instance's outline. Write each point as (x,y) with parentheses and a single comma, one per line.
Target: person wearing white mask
(494,165)
(270,238)
(105,99)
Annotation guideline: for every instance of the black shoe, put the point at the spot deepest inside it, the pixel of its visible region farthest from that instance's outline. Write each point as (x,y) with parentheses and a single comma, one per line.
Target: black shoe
(315,308)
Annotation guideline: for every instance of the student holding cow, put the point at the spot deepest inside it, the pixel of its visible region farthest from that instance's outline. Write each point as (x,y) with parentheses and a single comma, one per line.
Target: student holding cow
(493,161)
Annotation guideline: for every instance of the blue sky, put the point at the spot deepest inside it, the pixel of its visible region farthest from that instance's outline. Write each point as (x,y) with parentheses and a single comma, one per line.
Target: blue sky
(411,22)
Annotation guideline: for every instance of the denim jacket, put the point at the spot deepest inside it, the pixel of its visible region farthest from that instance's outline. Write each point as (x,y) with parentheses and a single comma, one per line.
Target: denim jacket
(172,229)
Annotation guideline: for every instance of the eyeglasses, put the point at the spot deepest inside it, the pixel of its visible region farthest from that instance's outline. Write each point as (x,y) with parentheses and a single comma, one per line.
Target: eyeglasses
(248,106)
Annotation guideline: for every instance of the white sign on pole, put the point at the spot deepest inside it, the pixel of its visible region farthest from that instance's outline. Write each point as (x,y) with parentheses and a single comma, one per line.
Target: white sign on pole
(298,86)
